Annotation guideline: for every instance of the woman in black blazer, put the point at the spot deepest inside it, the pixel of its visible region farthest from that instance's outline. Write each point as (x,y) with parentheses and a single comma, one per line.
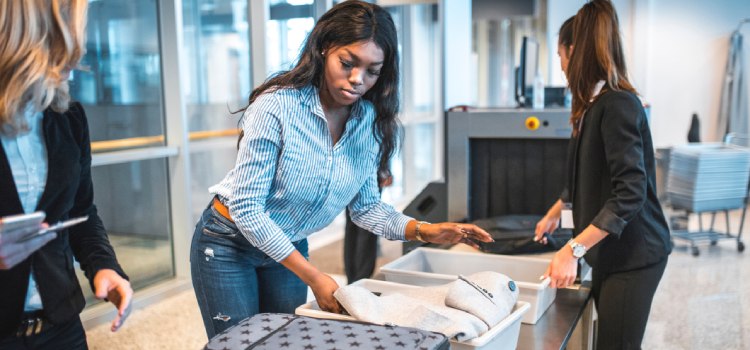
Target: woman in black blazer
(43,133)
(619,226)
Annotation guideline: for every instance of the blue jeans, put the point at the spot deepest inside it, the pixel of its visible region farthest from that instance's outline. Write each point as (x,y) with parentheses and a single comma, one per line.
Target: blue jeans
(234,280)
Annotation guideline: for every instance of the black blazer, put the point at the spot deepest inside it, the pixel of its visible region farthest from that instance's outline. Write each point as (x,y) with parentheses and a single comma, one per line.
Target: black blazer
(68,193)
(611,182)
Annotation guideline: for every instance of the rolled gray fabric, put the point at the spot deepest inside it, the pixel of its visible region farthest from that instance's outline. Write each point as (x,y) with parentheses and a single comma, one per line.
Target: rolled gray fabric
(462,309)
(488,295)
(408,311)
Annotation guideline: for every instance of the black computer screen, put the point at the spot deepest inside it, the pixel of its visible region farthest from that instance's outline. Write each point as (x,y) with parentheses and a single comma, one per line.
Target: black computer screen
(527,67)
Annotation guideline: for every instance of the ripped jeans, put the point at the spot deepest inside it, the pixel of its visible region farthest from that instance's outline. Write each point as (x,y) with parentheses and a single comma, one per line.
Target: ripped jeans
(234,280)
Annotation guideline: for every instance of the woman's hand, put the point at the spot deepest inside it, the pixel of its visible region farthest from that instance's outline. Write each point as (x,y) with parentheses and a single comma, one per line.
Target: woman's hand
(14,248)
(563,268)
(548,224)
(323,287)
(451,232)
(321,284)
(110,286)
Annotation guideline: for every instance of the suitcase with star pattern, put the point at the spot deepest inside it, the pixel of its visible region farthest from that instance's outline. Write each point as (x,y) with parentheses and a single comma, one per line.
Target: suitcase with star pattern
(283,331)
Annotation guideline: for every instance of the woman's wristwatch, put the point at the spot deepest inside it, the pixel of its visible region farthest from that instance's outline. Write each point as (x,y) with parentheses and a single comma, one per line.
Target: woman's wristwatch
(418,233)
(579,250)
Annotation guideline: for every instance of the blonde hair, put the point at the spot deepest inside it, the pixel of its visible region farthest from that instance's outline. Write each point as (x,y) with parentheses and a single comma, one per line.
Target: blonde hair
(40,41)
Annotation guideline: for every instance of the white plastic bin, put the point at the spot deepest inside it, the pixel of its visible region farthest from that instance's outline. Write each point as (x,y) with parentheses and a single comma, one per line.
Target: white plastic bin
(429,267)
(504,336)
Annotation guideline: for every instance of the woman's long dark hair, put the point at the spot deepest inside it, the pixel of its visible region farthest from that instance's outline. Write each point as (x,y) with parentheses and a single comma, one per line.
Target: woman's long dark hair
(347,23)
(565,37)
(597,55)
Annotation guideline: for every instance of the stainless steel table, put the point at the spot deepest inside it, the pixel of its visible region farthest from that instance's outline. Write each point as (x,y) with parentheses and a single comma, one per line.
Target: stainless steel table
(568,323)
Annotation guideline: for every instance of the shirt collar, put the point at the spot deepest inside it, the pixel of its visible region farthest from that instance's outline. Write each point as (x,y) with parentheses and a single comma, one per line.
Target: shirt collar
(597,89)
(31,116)
(311,98)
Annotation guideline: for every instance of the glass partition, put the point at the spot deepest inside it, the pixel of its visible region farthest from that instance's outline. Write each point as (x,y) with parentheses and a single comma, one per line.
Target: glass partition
(120,87)
(291,22)
(217,84)
(216,80)
(419,52)
(120,83)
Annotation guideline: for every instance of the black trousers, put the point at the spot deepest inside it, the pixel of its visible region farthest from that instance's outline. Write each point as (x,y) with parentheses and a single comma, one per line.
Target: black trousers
(68,336)
(360,251)
(623,303)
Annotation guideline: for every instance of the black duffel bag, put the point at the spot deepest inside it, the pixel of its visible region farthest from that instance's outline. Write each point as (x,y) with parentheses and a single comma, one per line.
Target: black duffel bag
(514,234)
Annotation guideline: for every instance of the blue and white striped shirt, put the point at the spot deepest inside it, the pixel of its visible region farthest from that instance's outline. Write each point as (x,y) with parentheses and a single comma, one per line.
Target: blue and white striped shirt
(290,180)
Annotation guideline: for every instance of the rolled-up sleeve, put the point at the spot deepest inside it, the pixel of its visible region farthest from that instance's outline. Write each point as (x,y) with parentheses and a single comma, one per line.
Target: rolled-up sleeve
(257,160)
(623,146)
(369,212)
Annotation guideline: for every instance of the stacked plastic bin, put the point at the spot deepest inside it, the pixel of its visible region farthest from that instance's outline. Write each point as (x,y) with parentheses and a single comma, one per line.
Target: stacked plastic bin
(708,177)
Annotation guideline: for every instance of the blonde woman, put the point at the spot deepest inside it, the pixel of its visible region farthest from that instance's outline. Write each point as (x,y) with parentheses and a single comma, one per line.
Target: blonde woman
(45,164)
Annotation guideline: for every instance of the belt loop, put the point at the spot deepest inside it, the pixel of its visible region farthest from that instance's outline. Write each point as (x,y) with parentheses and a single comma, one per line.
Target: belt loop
(38,328)
(30,327)
(22,328)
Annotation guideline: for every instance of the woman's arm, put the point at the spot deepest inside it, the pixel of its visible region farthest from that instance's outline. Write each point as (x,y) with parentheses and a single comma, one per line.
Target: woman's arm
(255,168)
(369,212)
(620,129)
(549,222)
(322,285)
(563,268)
(89,240)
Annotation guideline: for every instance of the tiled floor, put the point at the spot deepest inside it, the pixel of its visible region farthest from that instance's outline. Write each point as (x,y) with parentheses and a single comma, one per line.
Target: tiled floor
(702,303)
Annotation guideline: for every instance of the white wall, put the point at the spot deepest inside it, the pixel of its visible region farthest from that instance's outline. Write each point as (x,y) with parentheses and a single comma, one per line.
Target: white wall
(560,10)
(676,52)
(688,47)
(456,25)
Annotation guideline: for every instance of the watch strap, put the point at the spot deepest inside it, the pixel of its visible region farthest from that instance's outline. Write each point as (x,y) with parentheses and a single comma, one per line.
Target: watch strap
(418,233)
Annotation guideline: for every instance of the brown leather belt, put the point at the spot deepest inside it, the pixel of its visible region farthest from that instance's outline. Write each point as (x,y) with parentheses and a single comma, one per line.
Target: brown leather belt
(32,323)
(222,209)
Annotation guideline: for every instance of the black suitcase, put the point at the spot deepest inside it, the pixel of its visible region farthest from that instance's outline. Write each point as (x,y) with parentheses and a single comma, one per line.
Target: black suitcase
(284,331)
(514,234)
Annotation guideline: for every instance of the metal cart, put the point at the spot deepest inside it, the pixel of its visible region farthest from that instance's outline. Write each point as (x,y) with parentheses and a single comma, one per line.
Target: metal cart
(709,179)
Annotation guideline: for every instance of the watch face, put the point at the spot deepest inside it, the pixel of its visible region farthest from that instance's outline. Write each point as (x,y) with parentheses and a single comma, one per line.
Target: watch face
(579,251)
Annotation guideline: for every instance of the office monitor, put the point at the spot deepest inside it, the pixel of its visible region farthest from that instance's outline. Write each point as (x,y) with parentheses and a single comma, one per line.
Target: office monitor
(526,71)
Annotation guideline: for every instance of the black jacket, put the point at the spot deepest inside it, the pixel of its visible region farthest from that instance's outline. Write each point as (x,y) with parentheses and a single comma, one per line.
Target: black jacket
(68,193)
(611,182)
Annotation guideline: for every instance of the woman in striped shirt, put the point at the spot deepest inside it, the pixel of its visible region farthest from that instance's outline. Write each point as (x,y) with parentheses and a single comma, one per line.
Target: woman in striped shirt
(313,139)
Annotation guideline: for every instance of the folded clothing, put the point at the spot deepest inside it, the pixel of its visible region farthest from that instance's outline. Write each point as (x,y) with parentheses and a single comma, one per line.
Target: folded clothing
(464,309)
(492,296)
(407,311)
